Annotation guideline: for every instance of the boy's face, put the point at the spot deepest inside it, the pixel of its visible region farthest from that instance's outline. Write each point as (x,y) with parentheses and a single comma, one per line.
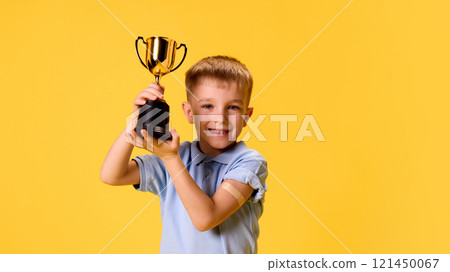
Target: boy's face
(217,114)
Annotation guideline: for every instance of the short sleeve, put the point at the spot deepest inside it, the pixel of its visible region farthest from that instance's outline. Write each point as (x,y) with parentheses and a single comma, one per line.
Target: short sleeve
(251,169)
(153,176)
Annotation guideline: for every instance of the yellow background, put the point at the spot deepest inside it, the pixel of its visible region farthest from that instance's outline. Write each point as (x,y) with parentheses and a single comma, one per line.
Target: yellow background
(376,81)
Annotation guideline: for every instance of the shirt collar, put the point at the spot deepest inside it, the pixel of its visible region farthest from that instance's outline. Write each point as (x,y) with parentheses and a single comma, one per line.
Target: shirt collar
(224,158)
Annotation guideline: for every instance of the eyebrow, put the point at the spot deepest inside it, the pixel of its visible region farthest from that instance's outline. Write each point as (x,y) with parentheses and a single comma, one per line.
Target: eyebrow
(237,100)
(232,101)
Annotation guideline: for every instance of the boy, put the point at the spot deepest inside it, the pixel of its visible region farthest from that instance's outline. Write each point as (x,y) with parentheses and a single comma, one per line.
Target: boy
(211,190)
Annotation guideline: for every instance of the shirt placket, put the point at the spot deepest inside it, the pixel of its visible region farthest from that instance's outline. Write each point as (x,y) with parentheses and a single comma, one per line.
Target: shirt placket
(207,179)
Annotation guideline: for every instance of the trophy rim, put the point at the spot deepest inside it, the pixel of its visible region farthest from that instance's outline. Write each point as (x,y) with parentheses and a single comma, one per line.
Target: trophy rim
(159,37)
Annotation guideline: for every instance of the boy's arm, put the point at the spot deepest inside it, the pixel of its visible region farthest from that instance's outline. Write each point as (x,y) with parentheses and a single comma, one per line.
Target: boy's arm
(205,212)
(117,169)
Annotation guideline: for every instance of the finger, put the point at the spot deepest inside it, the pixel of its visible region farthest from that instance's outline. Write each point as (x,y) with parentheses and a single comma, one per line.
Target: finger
(146,142)
(144,137)
(150,95)
(153,90)
(156,141)
(158,87)
(175,135)
(139,101)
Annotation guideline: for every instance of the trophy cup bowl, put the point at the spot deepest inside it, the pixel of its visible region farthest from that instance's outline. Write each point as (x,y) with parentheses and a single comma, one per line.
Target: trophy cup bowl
(159,60)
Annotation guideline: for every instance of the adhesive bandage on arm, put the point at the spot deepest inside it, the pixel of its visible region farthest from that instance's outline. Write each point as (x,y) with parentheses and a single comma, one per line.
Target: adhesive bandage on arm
(234,192)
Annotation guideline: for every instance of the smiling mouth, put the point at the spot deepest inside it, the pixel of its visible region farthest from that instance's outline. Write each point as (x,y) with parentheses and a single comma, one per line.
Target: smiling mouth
(218,131)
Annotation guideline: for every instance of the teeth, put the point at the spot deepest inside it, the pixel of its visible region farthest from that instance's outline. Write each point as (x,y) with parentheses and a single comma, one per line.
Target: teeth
(218,131)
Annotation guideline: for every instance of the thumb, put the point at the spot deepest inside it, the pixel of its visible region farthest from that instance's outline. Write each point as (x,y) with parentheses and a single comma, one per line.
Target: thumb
(175,135)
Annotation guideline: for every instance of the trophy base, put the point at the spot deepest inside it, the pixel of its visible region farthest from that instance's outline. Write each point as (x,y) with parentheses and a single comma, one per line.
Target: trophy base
(154,118)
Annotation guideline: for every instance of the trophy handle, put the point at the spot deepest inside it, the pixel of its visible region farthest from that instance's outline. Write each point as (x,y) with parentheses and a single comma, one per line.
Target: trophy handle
(137,51)
(184,56)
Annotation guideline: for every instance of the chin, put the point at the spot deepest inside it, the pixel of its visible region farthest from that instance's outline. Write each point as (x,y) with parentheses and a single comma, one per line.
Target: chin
(218,142)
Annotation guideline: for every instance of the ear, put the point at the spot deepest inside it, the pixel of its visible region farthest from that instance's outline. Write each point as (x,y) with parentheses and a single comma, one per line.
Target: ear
(188,112)
(247,115)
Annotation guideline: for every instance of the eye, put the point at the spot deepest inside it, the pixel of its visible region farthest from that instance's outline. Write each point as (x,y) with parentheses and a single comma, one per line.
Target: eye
(207,106)
(233,107)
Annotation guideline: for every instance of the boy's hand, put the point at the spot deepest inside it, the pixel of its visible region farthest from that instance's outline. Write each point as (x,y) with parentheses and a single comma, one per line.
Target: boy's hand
(152,92)
(165,150)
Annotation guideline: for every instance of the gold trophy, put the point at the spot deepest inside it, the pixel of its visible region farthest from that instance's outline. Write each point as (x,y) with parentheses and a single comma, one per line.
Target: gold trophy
(159,60)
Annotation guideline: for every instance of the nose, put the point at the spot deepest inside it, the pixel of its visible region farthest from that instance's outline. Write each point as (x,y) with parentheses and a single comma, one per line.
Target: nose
(222,115)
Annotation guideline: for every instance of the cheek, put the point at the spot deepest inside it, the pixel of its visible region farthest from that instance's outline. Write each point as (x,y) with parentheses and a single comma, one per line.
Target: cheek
(236,121)
(204,125)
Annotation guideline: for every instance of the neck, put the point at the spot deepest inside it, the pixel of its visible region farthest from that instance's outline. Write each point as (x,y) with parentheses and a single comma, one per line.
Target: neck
(205,148)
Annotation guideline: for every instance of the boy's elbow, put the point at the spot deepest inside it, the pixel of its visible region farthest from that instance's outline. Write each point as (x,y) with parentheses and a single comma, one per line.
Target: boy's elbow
(105,179)
(202,228)
(204,224)
(105,175)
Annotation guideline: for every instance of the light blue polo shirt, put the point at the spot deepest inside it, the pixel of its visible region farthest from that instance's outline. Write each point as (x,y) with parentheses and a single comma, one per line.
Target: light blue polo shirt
(239,232)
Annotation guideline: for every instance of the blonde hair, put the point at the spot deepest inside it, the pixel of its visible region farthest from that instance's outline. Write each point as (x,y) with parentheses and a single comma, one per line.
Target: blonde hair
(224,69)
